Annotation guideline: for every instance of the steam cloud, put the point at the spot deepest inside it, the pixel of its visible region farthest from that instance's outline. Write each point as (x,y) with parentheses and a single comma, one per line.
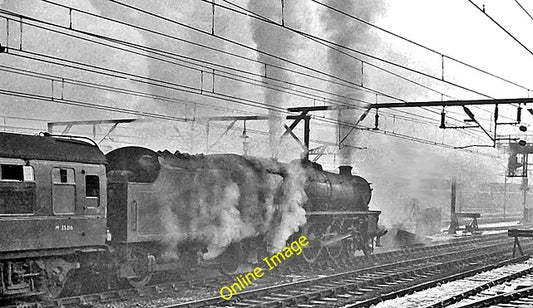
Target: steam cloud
(222,199)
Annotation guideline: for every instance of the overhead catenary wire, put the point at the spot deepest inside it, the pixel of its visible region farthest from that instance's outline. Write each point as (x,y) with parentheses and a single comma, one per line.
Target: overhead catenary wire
(154,82)
(218,75)
(332,46)
(335,46)
(377,58)
(169,55)
(113,89)
(135,93)
(249,13)
(201,31)
(343,82)
(278,57)
(91,69)
(78,103)
(99,36)
(501,27)
(421,45)
(323,119)
(523,9)
(268,54)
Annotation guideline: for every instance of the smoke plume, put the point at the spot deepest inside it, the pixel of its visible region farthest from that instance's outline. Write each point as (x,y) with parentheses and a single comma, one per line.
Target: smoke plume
(277,41)
(353,34)
(222,199)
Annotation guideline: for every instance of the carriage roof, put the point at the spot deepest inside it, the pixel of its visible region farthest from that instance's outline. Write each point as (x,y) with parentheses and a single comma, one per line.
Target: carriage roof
(46,147)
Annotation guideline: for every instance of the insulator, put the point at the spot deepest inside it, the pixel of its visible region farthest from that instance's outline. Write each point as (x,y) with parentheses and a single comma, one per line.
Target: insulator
(469,113)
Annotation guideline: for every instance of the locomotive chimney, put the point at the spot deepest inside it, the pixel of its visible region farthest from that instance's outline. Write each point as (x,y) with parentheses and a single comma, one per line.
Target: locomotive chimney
(345,170)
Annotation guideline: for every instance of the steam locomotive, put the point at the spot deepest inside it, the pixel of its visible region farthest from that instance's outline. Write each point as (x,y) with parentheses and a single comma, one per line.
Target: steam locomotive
(67,210)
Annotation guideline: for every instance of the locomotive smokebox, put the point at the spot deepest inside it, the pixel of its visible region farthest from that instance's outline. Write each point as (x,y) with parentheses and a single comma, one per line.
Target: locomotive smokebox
(345,170)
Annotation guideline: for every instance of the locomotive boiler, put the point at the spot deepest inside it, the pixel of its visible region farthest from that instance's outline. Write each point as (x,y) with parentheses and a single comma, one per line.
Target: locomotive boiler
(67,209)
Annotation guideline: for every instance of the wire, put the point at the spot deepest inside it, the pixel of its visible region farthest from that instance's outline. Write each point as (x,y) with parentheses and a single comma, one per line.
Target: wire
(145,48)
(500,26)
(205,68)
(299,32)
(152,31)
(57,61)
(323,119)
(77,103)
(145,80)
(344,81)
(328,44)
(120,110)
(197,93)
(523,9)
(422,46)
(263,18)
(267,20)
(347,48)
(91,105)
(44,28)
(332,45)
(86,84)
(278,57)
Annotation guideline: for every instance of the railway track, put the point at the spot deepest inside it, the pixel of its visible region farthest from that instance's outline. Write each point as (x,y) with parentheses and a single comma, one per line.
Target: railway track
(517,299)
(402,259)
(506,287)
(363,287)
(455,288)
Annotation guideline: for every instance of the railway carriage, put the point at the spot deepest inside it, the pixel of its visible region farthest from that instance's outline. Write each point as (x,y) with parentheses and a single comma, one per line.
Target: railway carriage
(53,201)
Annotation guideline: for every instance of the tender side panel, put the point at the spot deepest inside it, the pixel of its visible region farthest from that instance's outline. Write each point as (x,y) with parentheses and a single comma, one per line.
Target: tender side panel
(134,214)
(117,211)
(146,216)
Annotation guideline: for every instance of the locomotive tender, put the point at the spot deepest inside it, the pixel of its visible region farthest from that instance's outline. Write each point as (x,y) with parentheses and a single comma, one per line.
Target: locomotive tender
(66,208)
